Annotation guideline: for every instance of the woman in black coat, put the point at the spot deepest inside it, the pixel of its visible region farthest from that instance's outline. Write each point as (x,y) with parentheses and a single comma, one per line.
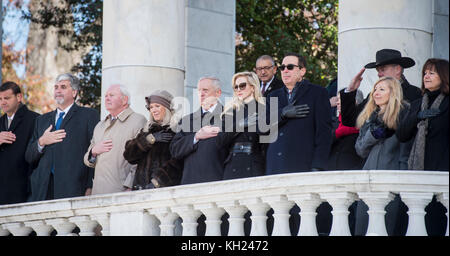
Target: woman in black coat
(150,149)
(427,120)
(239,135)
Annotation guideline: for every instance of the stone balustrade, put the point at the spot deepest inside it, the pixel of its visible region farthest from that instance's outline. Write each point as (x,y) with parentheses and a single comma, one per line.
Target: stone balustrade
(175,210)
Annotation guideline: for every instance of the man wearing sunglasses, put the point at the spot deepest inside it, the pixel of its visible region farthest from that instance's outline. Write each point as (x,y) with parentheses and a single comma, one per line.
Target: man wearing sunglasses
(304,122)
(266,70)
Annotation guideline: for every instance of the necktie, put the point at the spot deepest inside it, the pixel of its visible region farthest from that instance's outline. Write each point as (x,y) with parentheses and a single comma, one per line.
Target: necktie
(59,121)
(263,90)
(9,123)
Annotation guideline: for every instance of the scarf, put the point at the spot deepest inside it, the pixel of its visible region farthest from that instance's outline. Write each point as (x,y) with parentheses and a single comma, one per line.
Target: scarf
(416,159)
(343,130)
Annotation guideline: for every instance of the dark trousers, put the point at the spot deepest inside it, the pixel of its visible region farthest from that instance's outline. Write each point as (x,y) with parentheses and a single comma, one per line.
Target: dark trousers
(51,188)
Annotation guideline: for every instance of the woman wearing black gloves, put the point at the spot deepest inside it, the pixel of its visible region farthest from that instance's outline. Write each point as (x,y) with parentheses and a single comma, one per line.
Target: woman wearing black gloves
(427,121)
(378,122)
(150,149)
(239,133)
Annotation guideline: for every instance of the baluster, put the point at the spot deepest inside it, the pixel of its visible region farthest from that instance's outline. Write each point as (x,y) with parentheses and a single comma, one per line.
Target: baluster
(308,204)
(259,215)
(189,216)
(213,217)
(103,220)
(281,207)
(87,225)
(167,219)
(376,201)
(416,203)
(17,229)
(3,231)
(40,227)
(62,226)
(443,198)
(236,219)
(340,201)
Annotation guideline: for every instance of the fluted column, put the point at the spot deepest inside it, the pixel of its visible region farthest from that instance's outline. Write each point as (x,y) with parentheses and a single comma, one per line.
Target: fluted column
(340,201)
(189,216)
(376,201)
(40,227)
(443,198)
(103,220)
(62,225)
(167,219)
(416,203)
(236,219)
(308,204)
(213,215)
(86,224)
(281,207)
(143,48)
(259,215)
(17,229)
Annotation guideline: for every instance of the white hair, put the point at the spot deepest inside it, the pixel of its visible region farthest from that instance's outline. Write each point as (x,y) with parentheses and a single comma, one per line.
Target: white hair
(214,81)
(123,89)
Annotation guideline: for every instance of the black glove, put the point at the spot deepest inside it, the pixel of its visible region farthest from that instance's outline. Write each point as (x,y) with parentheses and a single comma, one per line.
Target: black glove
(163,136)
(380,131)
(248,121)
(427,113)
(298,111)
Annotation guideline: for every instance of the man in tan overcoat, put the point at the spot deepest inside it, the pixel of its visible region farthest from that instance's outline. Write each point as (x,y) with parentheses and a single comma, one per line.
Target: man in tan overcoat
(112,172)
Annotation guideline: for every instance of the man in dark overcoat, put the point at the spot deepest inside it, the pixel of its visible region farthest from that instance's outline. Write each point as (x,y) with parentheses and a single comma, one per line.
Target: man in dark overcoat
(60,140)
(195,141)
(304,122)
(16,128)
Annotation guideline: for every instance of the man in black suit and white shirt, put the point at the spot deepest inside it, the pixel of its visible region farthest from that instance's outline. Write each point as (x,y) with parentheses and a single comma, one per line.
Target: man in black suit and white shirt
(60,140)
(266,71)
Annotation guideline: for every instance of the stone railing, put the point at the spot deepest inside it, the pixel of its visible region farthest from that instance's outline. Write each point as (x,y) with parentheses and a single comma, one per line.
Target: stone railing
(157,212)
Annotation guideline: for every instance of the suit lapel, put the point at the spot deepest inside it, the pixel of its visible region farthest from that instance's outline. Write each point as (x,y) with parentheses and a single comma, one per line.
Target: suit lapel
(69,115)
(18,117)
(3,122)
(302,89)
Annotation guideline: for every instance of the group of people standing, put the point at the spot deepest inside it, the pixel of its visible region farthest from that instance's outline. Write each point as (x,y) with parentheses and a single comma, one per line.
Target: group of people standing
(270,126)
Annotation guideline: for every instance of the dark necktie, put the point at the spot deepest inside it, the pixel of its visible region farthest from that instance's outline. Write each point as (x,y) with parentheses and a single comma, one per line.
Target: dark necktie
(263,90)
(59,121)
(58,124)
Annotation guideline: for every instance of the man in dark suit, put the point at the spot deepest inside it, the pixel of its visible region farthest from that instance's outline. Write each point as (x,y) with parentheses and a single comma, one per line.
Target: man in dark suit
(195,141)
(266,71)
(60,140)
(304,122)
(16,128)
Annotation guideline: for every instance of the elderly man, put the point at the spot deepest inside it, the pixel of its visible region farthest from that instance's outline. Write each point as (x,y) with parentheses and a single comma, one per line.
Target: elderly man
(57,147)
(112,172)
(266,71)
(388,62)
(16,129)
(195,142)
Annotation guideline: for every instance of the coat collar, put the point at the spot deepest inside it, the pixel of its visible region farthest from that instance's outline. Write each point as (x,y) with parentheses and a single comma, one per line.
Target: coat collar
(123,115)
(18,116)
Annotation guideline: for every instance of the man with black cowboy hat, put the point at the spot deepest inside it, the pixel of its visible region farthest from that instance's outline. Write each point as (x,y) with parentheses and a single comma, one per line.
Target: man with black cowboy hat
(388,62)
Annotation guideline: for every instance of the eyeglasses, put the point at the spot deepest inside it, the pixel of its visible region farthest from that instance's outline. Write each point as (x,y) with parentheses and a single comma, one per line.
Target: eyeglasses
(288,66)
(241,86)
(266,68)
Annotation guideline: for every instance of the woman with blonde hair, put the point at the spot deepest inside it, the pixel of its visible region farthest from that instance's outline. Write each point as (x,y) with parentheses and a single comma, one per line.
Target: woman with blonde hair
(239,135)
(150,149)
(378,122)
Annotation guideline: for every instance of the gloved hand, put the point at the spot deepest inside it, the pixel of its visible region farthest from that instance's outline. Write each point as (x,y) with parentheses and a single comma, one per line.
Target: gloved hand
(163,136)
(427,113)
(248,121)
(380,131)
(298,111)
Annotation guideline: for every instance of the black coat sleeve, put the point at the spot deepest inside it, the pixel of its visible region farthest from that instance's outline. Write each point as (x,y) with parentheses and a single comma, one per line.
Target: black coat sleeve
(349,109)
(407,127)
(32,155)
